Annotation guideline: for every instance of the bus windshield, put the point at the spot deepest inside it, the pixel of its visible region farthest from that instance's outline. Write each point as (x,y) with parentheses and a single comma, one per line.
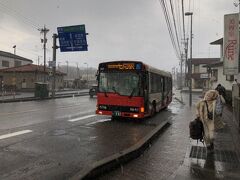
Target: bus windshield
(122,83)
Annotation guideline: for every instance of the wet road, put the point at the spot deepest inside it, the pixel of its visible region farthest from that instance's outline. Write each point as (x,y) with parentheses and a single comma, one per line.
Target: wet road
(165,155)
(55,139)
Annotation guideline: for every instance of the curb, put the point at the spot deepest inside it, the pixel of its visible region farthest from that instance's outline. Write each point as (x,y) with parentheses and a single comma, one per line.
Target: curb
(116,160)
(40,99)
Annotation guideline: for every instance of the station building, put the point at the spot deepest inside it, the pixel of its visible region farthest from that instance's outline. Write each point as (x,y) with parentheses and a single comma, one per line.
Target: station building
(23,78)
(8,60)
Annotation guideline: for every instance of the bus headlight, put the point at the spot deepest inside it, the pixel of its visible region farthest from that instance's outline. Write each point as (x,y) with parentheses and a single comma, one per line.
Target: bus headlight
(135,115)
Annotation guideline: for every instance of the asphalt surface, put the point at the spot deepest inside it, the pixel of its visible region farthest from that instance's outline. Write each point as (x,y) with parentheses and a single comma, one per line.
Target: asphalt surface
(166,153)
(55,139)
(174,156)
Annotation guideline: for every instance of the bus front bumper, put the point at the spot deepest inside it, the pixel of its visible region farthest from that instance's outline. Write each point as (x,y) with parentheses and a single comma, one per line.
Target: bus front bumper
(121,114)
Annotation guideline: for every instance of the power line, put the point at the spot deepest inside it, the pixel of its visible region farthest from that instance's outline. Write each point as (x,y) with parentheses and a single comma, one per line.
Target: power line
(172,26)
(179,23)
(162,3)
(174,22)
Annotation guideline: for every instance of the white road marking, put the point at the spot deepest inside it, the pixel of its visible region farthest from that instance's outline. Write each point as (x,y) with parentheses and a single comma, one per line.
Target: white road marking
(15,134)
(70,115)
(99,121)
(81,118)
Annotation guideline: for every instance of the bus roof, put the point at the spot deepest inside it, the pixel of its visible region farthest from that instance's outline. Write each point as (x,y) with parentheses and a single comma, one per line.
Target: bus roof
(147,67)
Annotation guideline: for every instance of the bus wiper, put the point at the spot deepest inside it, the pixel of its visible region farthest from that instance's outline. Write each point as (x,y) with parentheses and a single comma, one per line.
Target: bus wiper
(132,92)
(115,91)
(105,93)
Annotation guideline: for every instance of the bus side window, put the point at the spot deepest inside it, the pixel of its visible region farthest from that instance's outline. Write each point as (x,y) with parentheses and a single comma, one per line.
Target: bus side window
(161,84)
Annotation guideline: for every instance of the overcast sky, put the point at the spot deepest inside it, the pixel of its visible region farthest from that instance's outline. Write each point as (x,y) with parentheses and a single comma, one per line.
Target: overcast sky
(118,29)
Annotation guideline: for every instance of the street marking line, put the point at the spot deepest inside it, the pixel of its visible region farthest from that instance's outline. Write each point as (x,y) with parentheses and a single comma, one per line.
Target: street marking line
(74,115)
(81,118)
(99,121)
(15,134)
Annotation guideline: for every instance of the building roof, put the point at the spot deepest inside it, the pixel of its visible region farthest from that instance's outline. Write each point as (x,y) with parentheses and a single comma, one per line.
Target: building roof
(217,64)
(30,68)
(10,55)
(197,61)
(217,42)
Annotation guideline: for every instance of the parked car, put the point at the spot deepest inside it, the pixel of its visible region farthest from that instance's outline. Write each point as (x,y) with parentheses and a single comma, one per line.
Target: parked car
(93,91)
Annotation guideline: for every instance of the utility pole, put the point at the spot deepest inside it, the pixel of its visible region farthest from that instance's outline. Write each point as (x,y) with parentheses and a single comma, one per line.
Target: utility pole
(44,31)
(55,47)
(38,61)
(78,71)
(190,61)
(59,65)
(87,73)
(67,68)
(14,79)
(186,60)
(181,72)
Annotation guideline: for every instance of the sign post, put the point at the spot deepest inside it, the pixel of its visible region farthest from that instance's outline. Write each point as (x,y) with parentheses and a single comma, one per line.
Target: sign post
(72,38)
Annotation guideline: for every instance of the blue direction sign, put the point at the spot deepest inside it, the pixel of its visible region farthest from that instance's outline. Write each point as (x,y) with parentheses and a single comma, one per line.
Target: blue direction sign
(72,38)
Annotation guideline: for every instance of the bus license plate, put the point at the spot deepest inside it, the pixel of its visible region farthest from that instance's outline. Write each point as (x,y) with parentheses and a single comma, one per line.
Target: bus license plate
(116,113)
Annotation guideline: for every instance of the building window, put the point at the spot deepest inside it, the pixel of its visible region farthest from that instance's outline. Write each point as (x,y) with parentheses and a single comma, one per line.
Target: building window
(196,69)
(229,77)
(17,63)
(5,64)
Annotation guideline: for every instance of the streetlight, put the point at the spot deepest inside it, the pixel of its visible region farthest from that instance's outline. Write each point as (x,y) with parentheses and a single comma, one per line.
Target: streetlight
(14,47)
(87,73)
(190,61)
(67,68)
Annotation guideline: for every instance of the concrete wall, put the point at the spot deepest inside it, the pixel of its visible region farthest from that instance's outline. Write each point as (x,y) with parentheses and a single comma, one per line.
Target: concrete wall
(221,79)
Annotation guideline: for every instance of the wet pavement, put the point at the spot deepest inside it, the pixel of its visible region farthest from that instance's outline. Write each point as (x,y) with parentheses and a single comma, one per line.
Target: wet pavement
(174,156)
(64,136)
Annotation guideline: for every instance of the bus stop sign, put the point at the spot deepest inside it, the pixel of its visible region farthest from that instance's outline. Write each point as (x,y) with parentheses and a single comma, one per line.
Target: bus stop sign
(72,38)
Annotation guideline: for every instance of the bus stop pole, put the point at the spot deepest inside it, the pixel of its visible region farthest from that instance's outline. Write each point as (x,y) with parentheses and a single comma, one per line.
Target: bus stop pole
(55,47)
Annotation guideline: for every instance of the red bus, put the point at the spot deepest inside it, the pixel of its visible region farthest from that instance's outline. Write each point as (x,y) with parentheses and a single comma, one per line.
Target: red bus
(132,89)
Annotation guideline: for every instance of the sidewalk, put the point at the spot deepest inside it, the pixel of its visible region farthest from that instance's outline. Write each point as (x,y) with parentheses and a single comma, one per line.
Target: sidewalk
(174,156)
(224,163)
